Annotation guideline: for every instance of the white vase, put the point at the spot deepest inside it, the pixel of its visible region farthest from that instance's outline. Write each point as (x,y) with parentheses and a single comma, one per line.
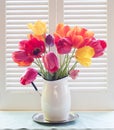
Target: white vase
(56,100)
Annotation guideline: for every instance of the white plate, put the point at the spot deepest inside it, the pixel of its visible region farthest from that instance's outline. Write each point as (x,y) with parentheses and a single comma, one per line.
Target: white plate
(39,118)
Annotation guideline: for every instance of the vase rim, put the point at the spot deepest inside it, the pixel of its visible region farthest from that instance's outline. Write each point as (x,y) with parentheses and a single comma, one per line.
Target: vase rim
(55,80)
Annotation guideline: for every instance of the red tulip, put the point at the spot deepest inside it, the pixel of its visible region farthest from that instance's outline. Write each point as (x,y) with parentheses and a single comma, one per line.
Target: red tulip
(21,58)
(64,46)
(35,47)
(51,62)
(99,47)
(29,76)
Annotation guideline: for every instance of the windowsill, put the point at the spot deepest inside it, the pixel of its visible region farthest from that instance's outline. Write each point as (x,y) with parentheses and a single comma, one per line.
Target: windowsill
(23,119)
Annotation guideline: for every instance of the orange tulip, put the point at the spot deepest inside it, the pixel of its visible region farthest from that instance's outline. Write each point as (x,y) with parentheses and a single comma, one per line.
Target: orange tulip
(79,35)
(62,30)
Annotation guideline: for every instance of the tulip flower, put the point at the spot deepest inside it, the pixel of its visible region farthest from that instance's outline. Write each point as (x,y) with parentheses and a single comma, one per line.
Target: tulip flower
(84,55)
(99,47)
(51,63)
(38,28)
(73,73)
(29,76)
(22,44)
(78,35)
(64,46)
(62,30)
(35,48)
(21,58)
(49,40)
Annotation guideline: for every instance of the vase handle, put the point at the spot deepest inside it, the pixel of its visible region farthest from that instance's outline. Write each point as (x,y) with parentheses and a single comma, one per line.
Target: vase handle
(36,88)
(40,93)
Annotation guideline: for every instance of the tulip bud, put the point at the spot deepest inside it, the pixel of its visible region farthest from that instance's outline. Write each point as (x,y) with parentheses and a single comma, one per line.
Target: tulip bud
(51,62)
(49,40)
(29,76)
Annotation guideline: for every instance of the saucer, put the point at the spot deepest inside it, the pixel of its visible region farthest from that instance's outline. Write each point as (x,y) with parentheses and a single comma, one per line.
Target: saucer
(39,118)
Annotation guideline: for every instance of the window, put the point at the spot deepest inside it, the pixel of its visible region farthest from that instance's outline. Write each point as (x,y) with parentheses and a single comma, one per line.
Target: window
(93,89)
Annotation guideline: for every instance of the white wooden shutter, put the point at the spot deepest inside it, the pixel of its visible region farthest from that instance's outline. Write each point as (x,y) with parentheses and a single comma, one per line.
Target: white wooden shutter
(14,16)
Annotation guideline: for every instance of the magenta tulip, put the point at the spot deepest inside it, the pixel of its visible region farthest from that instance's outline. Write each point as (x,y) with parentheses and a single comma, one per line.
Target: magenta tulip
(51,62)
(29,76)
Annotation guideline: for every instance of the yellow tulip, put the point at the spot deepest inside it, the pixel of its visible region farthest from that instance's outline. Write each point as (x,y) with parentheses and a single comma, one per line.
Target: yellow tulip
(84,55)
(38,28)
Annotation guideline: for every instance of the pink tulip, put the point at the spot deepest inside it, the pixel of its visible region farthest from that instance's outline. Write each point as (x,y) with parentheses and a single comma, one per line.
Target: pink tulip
(64,46)
(21,58)
(99,47)
(51,62)
(29,76)
(73,73)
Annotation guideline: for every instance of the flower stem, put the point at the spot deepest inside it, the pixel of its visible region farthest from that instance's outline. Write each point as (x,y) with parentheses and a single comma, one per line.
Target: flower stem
(41,66)
(60,59)
(61,68)
(34,86)
(49,49)
(73,66)
(67,62)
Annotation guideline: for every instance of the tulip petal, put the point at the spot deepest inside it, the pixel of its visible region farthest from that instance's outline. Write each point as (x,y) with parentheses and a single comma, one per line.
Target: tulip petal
(77,35)
(62,30)
(35,48)
(84,61)
(38,28)
(21,58)
(77,41)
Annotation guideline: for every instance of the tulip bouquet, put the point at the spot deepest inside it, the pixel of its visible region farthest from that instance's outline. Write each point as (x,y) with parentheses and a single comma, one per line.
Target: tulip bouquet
(77,44)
